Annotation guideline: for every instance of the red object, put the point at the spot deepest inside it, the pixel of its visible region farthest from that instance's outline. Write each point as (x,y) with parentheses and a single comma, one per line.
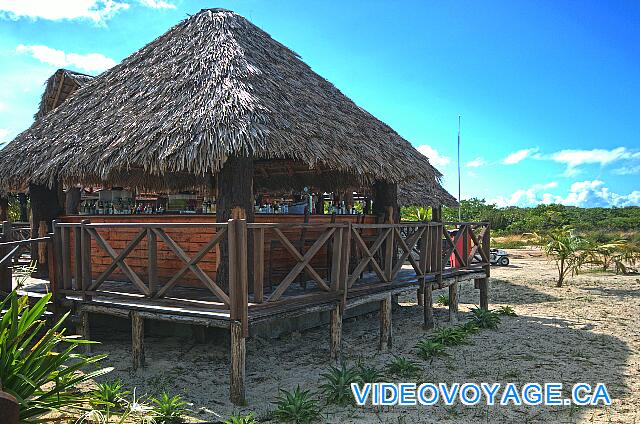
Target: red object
(455,262)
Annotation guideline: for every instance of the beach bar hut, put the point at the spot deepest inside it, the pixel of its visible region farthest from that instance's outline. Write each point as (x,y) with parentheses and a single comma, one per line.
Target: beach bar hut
(216,180)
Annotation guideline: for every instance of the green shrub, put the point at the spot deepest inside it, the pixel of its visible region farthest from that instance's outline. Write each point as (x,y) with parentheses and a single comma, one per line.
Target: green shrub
(241,419)
(507,311)
(369,374)
(168,409)
(37,365)
(442,300)
(111,394)
(429,349)
(297,407)
(337,385)
(485,318)
(470,327)
(450,336)
(402,367)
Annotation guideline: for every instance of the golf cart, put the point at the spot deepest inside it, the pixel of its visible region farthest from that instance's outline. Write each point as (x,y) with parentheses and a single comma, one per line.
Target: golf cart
(499,257)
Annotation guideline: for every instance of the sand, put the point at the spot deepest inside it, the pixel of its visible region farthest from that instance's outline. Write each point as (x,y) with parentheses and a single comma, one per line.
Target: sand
(587,331)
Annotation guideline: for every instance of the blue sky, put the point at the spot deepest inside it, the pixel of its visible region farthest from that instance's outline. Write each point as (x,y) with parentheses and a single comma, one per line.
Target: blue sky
(549,91)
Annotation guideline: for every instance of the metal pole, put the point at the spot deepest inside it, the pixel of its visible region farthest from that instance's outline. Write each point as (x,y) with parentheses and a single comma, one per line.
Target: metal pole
(459,210)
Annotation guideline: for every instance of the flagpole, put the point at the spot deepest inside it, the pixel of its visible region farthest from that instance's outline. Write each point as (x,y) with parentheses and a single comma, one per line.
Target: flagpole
(459,210)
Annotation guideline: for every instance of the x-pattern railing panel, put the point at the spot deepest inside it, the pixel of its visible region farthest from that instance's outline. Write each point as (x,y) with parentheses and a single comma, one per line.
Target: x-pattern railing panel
(303,262)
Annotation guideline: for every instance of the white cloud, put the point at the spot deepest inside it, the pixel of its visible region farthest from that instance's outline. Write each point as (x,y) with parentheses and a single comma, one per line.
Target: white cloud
(97,11)
(91,62)
(3,107)
(627,170)
(476,163)
(588,193)
(3,134)
(519,156)
(435,158)
(157,4)
(575,158)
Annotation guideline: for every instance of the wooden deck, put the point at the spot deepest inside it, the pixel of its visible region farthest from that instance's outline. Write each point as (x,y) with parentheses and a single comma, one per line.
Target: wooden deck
(328,266)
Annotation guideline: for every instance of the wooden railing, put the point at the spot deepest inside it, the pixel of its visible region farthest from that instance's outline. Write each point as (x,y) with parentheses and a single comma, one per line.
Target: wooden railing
(266,263)
(11,249)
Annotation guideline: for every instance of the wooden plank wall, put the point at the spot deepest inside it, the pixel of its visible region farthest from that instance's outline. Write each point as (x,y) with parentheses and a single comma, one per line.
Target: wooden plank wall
(191,241)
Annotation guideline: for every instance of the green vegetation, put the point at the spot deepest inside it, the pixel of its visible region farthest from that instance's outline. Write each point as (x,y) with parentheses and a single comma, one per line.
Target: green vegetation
(563,246)
(402,367)
(485,318)
(507,311)
(168,409)
(37,365)
(297,407)
(442,300)
(369,374)
(337,385)
(112,394)
(450,336)
(429,349)
(241,419)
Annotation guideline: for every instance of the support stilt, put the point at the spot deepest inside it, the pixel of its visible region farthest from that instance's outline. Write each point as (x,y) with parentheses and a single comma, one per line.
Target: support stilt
(238,356)
(385,324)
(428,306)
(453,302)
(137,340)
(483,284)
(336,332)
(84,330)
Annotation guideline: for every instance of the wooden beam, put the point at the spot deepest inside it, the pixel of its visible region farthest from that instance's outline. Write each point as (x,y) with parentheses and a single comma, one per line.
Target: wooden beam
(238,357)
(137,341)
(385,323)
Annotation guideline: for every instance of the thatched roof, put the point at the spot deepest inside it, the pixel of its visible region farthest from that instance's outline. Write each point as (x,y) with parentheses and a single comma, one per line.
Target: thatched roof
(419,192)
(59,87)
(214,85)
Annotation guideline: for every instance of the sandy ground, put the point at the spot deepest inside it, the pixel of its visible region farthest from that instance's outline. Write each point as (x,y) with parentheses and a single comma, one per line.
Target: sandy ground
(587,331)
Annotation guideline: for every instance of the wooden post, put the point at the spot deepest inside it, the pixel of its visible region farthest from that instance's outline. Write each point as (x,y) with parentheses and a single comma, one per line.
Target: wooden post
(4,208)
(483,283)
(137,340)
(238,272)
(24,213)
(84,330)
(258,265)
(86,259)
(46,205)
(453,301)
(336,259)
(235,193)
(336,332)
(77,255)
(152,252)
(9,409)
(428,306)
(72,200)
(385,323)
(6,278)
(66,256)
(238,356)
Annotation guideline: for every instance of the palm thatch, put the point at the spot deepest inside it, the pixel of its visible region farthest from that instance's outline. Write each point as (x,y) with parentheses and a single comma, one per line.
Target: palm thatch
(213,86)
(420,192)
(59,87)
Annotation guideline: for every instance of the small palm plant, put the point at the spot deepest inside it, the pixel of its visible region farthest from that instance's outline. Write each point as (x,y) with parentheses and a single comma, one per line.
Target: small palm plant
(485,318)
(112,394)
(402,367)
(450,336)
(507,311)
(430,349)
(369,374)
(563,246)
(38,366)
(241,419)
(442,300)
(168,409)
(296,407)
(337,385)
